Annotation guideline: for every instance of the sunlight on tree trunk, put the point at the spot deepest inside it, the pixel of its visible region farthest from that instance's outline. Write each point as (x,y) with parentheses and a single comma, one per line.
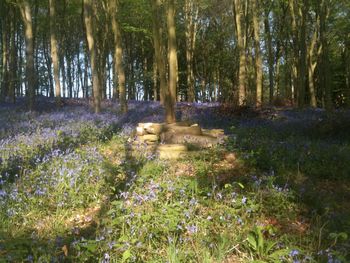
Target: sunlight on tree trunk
(170,100)
(239,13)
(93,55)
(258,58)
(159,49)
(118,56)
(54,51)
(30,69)
(270,58)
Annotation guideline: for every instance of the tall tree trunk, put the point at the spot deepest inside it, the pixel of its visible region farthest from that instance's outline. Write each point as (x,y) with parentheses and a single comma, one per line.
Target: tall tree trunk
(296,50)
(312,63)
(88,6)
(30,69)
(171,99)
(325,80)
(258,57)
(118,55)
(4,58)
(241,43)
(270,58)
(13,58)
(159,49)
(302,69)
(20,63)
(86,74)
(191,16)
(115,83)
(48,61)
(347,72)
(69,74)
(155,81)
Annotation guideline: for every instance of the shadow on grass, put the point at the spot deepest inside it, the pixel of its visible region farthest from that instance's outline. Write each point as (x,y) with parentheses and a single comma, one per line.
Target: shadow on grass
(316,169)
(84,224)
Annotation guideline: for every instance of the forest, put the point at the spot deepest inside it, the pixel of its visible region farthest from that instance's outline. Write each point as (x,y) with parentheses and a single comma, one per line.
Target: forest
(174,131)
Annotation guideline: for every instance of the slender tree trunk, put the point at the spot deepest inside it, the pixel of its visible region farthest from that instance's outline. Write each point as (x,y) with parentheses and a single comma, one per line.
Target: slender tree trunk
(115,83)
(12,58)
(88,7)
(155,81)
(118,56)
(312,63)
(159,49)
(5,55)
(325,73)
(48,61)
(64,76)
(80,73)
(302,69)
(145,78)
(69,75)
(86,74)
(258,57)
(347,72)
(296,51)
(278,56)
(191,16)
(171,99)
(30,69)
(241,42)
(20,62)
(270,59)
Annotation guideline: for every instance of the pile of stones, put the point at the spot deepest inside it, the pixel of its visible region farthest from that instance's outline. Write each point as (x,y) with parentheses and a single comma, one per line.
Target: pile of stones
(173,141)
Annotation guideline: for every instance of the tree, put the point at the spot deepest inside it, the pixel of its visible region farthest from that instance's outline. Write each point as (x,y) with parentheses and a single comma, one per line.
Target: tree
(170,100)
(54,51)
(96,82)
(26,14)
(191,23)
(118,55)
(239,15)
(258,57)
(159,50)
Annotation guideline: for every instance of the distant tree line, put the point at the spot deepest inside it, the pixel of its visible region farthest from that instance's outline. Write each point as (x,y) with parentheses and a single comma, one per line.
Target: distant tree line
(243,52)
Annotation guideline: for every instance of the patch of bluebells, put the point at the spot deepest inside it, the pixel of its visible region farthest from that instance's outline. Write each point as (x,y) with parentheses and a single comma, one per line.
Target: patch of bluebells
(26,147)
(69,180)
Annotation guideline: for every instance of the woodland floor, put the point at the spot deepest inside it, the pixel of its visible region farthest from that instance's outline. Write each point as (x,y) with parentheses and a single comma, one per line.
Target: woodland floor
(71,191)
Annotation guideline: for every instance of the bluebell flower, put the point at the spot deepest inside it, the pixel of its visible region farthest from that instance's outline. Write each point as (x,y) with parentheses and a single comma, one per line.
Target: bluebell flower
(2,193)
(294,253)
(193,202)
(192,229)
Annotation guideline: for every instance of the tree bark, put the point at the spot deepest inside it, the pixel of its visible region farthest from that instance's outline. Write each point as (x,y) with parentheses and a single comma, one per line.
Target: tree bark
(171,99)
(30,69)
(155,81)
(12,59)
(4,57)
(258,57)
(96,84)
(191,16)
(270,59)
(325,79)
(312,63)
(159,49)
(241,43)
(302,69)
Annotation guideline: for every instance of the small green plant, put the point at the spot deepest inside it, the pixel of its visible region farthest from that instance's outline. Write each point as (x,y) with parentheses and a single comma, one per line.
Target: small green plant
(263,250)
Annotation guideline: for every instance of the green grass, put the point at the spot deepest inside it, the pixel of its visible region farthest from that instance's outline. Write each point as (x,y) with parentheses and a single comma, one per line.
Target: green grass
(281,198)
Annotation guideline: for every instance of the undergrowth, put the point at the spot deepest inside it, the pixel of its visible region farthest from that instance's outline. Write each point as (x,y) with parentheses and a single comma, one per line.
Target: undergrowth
(266,196)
